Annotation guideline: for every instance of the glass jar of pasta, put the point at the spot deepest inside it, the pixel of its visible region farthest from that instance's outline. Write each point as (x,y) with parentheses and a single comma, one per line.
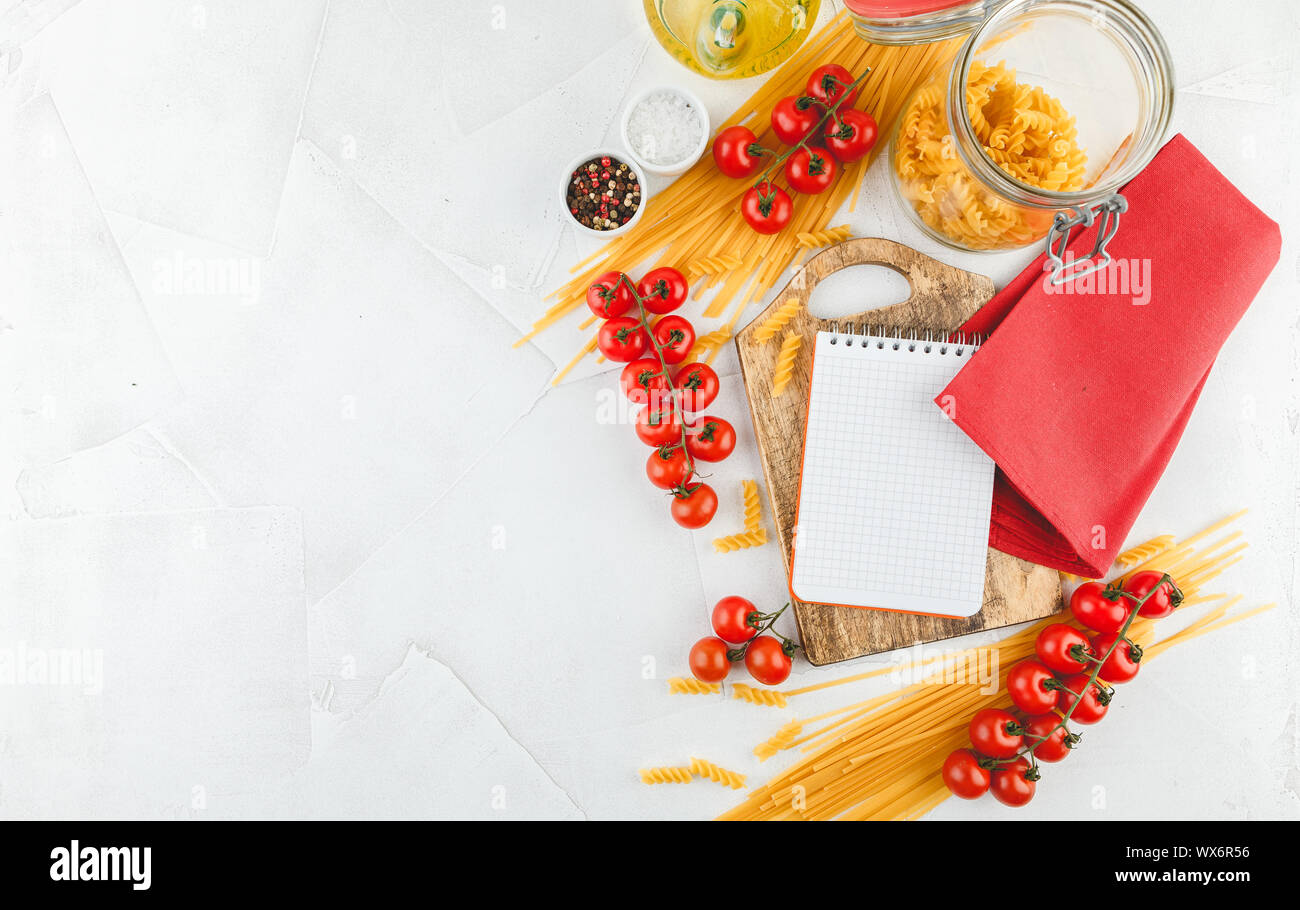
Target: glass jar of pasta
(1047,110)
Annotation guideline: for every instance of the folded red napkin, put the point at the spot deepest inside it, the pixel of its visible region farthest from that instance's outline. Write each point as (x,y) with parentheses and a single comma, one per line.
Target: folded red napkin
(1080,397)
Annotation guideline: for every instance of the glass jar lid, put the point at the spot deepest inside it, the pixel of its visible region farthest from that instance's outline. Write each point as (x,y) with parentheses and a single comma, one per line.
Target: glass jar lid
(916,21)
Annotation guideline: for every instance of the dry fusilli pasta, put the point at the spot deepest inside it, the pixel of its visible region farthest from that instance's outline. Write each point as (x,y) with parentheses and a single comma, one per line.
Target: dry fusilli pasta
(779,741)
(753,505)
(665,775)
(777,321)
(682,685)
(769,697)
(1144,551)
(785,362)
(825,237)
(702,768)
(742,541)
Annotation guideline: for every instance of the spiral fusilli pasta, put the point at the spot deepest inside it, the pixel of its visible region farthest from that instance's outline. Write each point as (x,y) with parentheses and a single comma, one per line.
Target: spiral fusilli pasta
(713,265)
(779,741)
(1022,129)
(785,362)
(682,685)
(1144,551)
(705,343)
(702,768)
(665,775)
(769,697)
(777,321)
(742,541)
(824,237)
(753,505)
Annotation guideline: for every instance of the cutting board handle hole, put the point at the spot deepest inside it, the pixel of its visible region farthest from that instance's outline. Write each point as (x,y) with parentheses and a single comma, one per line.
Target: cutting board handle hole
(855,289)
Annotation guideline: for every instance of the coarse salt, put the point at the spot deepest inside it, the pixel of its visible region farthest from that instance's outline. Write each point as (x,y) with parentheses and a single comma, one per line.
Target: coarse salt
(664,128)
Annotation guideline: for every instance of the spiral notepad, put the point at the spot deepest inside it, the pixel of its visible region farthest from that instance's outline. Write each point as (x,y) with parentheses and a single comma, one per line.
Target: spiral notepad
(894,499)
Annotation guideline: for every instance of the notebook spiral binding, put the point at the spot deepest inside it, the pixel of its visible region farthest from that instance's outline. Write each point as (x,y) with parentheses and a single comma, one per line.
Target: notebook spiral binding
(865,334)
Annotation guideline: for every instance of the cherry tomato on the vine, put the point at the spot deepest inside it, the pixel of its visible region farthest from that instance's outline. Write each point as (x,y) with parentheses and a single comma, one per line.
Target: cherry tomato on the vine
(622,339)
(668,467)
(710,438)
(990,733)
(963,775)
(766,208)
(676,337)
(1162,602)
(1090,708)
(1011,785)
(1052,737)
(810,171)
(610,295)
(663,290)
(698,385)
(1026,684)
(658,426)
(694,506)
(767,661)
(827,83)
(851,135)
(734,152)
(1123,663)
(1054,645)
(731,619)
(794,118)
(643,379)
(708,660)
(1092,607)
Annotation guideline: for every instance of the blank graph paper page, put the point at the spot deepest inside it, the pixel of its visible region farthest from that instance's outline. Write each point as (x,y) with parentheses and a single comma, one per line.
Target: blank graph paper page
(894,499)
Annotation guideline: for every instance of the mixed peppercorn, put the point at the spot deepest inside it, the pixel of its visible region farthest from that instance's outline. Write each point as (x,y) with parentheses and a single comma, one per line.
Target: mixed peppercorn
(604,193)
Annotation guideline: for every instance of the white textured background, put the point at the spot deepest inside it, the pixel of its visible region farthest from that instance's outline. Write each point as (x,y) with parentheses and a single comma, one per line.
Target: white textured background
(344,552)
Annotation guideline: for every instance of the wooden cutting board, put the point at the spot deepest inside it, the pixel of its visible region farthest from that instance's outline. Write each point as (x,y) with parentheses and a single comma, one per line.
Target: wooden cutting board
(942,299)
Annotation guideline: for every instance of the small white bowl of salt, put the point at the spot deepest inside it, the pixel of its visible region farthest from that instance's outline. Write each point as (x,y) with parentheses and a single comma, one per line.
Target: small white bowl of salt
(666,130)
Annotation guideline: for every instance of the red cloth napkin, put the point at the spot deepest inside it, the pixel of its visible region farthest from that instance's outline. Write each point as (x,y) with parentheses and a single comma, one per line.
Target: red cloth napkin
(1081,398)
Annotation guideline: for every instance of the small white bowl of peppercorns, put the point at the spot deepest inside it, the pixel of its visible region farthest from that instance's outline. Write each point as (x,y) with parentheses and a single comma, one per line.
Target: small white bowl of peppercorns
(603,192)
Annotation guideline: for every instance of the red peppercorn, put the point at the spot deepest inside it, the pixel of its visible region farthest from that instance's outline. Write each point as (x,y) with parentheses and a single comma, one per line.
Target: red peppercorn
(605,161)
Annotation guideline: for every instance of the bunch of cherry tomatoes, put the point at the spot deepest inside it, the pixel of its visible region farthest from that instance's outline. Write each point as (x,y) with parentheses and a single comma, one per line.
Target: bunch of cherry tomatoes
(657,377)
(823,131)
(738,623)
(1070,680)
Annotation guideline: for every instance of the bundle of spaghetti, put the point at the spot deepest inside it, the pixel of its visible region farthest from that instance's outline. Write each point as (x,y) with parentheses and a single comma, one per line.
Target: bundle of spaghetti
(697,216)
(880,758)
(665,775)
(780,317)
(785,359)
(713,265)
(717,774)
(813,239)
(753,504)
(681,685)
(754,537)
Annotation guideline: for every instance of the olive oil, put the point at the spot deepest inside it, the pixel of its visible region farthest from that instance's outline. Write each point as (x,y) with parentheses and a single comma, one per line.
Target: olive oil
(731,39)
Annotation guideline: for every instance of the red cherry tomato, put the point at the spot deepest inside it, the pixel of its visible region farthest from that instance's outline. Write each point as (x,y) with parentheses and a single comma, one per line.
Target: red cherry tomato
(767,661)
(694,506)
(736,152)
(852,135)
(1010,786)
(622,339)
(1094,609)
(1123,663)
(610,295)
(1159,604)
(658,427)
(708,660)
(766,208)
(698,385)
(731,619)
(1054,645)
(1026,683)
(643,379)
(1090,708)
(710,439)
(791,122)
(663,290)
(827,83)
(676,337)
(1052,737)
(668,467)
(812,171)
(990,736)
(963,775)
